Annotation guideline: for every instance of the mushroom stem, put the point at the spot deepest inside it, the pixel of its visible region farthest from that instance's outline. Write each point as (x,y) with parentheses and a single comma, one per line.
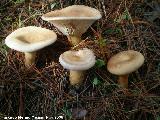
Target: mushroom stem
(75,40)
(123,81)
(76,77)
(30,58)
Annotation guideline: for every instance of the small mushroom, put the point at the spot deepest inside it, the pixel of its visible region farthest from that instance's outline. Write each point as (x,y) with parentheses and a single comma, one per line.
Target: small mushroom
(73,21)
(77,62)
(124,63)
(29,40)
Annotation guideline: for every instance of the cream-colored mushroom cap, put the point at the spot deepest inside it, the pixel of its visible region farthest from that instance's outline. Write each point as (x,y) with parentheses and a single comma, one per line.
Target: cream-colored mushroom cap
(77,60)
(74,19)
(73,12)
(30,39)
(125,62)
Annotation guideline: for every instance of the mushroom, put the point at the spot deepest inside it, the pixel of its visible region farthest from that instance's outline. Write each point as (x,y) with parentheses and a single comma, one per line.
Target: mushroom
(124,63)
(29,40)
(73,21)
(77,62)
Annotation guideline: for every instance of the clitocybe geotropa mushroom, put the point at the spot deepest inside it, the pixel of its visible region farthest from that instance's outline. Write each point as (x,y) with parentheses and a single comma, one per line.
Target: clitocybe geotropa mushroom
(73,21)
(77,62)
(124,63)
(29,40)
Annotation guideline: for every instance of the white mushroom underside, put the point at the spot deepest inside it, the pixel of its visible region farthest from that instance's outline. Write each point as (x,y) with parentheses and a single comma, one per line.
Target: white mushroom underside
(30,39)
(73,20)
(125,62)
(77,60)
(73,12)
(72,27)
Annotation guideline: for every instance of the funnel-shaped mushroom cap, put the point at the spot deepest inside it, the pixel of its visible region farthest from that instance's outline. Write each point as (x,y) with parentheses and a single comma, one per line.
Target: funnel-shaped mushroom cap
(30,39)
(73,20)
(77,60)
(125,62)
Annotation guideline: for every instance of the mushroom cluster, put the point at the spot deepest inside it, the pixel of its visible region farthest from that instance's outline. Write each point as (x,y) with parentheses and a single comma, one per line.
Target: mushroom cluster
(72,21)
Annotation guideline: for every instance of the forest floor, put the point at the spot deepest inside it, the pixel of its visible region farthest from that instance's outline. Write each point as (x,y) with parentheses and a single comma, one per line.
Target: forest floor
(44,90)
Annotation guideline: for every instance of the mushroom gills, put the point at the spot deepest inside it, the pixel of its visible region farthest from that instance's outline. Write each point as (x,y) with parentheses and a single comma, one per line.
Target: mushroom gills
(73,21)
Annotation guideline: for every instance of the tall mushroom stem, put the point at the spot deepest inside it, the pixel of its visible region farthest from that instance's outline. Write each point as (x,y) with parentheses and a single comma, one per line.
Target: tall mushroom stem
(123,81)
(76,77)
(75,40)
(30,58)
